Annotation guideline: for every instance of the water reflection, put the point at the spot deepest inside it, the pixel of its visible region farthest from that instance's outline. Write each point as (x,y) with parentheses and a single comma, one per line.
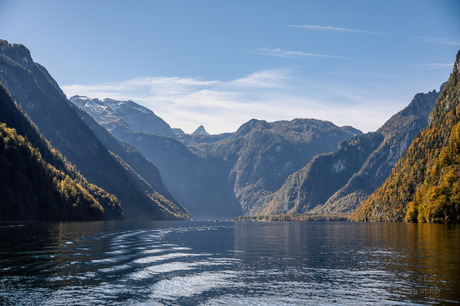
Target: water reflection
(411,262)
(237,263)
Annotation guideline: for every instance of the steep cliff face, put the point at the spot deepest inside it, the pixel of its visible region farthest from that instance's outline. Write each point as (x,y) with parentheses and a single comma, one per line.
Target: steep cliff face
(424,186)
(44,102)
(338,182)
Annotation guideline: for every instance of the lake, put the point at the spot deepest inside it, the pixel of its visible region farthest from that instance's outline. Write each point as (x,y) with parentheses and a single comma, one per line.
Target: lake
(229,263)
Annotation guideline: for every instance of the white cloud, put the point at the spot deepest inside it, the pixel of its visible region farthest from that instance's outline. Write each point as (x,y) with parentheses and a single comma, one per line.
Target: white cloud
(438,65)
(327,28)
(222,106)
(440,40)
(292,54)
(263,79)
(435,40)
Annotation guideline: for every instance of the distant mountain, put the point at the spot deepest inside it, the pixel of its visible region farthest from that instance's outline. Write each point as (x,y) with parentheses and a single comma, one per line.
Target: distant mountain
(128,115)
(217,175)
(60,122)
(351,130)
(35,181)
(142,170)
(339,181)
(200,131)
(198,182)
(424,186)
(147,175)
(110,113)
(264,154)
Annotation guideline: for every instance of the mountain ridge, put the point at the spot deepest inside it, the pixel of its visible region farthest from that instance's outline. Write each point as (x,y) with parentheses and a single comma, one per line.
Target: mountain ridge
(424,186)
(190,166)
(109,111)
(45,103)
(339,181)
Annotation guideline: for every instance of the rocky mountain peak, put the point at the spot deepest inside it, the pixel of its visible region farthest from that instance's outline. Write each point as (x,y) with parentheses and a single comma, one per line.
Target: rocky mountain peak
(200,131)
(16,52)
(111,113)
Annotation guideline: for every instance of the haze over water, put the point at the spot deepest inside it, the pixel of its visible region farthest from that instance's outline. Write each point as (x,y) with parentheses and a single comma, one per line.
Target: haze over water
(229,263)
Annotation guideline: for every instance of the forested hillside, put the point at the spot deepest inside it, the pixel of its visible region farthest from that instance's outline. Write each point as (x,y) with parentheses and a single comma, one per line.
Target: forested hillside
(36,183)
(425,184)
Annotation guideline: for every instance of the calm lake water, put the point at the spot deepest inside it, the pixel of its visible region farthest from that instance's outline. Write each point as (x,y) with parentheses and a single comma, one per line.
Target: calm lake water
(229,263)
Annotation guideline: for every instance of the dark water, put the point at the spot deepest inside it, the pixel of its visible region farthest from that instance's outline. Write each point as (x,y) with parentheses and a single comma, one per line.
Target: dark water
(229,263)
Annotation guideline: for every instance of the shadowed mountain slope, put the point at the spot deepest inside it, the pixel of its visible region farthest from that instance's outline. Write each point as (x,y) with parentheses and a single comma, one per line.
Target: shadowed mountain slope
(44,102)
(36,183)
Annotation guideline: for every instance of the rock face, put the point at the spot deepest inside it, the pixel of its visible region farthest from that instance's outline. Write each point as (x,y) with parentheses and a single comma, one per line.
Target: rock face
(340,181)
(35,181)
(424,186)
(59,121)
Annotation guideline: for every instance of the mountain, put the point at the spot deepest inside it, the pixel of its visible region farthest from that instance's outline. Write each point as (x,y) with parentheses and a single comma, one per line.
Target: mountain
(60,122)
(110,113)
(200,131)
(146,174)
(424,186)
(264,154)
(339,181)
(198,182)
(221,175)
(113,114)
(35,181)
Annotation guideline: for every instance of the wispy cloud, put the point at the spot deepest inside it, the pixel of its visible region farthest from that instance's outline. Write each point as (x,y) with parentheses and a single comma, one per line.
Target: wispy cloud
(222,106)
(292,54)
(435,40)
(327,28)
(438,65)
(439,40)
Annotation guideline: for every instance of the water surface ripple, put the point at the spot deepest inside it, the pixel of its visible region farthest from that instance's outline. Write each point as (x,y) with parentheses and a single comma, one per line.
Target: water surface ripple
(243,263)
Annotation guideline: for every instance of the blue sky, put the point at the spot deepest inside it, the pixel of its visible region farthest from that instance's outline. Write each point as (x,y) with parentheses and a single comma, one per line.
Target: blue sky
(220,63)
